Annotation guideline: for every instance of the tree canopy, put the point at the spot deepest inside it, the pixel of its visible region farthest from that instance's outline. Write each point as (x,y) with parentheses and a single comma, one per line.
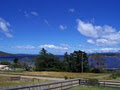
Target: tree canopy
(71,63)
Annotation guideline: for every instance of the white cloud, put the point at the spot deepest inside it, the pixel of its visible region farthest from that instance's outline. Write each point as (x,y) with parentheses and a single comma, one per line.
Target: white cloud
(62,27)
(46,22)
(53,47)
(87,29)
(71,10)
(5,28)
(102,35)
(112,36)
(24,47)
(34,13)
(90,41)
(92,20)
(65,45)
(26,14)
(105,42)
(102,50)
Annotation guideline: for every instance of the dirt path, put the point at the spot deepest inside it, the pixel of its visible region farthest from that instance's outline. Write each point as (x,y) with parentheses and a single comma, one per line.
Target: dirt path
(36,77)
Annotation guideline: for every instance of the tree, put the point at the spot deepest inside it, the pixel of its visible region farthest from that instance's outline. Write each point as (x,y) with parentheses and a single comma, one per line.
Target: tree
(26,63)
(97,62)
(47,62)
(65,62)
(16,60)
(5,63)
(74,61)
(16,63)
(43,52)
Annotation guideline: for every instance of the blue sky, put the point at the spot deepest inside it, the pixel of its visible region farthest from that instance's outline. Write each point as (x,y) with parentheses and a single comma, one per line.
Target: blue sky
(26,26)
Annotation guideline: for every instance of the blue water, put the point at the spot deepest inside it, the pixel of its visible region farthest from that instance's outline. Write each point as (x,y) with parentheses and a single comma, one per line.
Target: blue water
(11,58)
(111,62)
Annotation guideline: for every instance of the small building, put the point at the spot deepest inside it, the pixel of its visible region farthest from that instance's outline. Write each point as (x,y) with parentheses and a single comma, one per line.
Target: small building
(4,67)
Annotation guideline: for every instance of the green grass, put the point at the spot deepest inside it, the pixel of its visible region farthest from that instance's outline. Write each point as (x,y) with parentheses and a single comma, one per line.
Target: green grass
(94,88)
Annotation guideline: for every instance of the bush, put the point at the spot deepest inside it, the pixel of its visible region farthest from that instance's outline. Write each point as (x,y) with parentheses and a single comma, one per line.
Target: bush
(115,75)
(65,77)
(93,82)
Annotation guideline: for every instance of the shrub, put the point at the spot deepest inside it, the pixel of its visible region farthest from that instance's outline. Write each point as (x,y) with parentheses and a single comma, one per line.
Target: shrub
(65,77)
(115,75)
(93,82)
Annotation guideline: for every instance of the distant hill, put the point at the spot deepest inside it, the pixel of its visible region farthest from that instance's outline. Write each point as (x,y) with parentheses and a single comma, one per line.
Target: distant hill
(108,54)
(4,54)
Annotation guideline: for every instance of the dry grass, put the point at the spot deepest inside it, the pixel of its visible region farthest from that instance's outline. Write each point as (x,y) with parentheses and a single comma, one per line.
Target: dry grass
(62,74)
(15,83)
(4,78)
(5,81)
(68,74)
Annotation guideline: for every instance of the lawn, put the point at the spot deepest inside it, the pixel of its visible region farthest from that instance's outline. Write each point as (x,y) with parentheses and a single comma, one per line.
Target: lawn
(93,88)
(62,74)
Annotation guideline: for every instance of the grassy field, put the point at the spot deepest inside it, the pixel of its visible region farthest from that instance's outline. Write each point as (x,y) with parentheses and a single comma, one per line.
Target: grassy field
(94,88)
(14,83)
(5,81)
(62,74)
(4,78)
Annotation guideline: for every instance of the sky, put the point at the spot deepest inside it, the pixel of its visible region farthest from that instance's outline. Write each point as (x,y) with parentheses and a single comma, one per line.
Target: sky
(59,26)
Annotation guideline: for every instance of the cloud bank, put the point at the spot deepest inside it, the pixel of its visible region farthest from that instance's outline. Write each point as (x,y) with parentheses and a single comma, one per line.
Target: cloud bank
(24,47)
(100,35)
(47,46)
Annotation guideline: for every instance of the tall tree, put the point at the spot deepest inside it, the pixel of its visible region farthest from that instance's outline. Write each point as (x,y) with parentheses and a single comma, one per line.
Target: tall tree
(75,59)
(16,63)
(47,61)
(65,62)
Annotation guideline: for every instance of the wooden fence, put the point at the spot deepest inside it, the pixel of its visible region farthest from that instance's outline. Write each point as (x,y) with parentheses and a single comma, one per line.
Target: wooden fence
(59,85)
(62,85)
(109,83)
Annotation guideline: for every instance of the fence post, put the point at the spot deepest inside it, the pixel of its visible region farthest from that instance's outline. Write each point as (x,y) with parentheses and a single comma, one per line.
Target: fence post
(48,87)
(61,86)
(104,83)
(79,81)
(40,88)
(98,83)
(71,84)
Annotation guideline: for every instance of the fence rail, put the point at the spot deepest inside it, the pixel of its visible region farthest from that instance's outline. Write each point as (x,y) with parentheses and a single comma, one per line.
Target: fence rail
(62,85)
(109,83)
